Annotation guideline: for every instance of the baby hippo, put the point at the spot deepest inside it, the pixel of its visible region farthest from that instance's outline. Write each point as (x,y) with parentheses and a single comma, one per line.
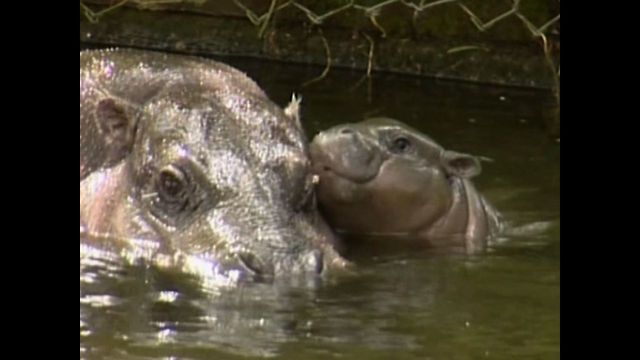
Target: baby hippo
(381,177)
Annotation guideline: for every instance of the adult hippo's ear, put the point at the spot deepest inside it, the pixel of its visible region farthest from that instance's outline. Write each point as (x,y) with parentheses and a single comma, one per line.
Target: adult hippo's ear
(461,165)
(116,122)
(293,110)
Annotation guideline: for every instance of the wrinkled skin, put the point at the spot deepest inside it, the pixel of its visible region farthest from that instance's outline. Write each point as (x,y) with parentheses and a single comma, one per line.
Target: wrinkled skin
(182,155)
(381,177)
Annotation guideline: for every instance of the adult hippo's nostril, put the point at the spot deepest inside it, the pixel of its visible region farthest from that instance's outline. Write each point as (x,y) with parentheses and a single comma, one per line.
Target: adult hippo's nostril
(255,265)
(315,261)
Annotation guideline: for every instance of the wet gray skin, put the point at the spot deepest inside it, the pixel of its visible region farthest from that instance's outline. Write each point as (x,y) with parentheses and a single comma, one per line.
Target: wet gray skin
(182,155)
(381,177)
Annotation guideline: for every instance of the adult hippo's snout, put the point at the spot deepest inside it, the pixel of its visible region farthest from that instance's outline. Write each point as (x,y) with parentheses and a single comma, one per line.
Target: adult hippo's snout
(273,243)
(191,158)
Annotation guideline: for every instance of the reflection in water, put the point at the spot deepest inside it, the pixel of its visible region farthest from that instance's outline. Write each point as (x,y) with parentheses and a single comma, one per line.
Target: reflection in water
(411,303)
(145,309)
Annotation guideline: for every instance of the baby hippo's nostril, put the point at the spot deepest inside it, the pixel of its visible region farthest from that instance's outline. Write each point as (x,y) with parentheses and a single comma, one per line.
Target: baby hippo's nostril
(346,131)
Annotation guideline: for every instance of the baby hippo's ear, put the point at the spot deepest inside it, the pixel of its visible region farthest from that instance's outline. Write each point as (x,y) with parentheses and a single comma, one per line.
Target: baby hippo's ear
(461,165)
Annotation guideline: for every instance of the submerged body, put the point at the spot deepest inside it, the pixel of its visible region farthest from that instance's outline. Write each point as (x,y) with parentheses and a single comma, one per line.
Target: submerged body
(186,156)
(381,177)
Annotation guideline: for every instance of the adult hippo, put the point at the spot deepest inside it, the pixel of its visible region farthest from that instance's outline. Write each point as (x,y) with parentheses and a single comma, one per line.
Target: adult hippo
(187,156)
(381,177)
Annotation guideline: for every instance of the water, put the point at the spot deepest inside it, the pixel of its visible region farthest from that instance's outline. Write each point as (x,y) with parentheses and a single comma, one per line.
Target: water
(402,305)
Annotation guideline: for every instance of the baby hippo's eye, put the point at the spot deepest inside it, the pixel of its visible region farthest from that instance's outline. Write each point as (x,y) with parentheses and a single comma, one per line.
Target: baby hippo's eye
(400,145)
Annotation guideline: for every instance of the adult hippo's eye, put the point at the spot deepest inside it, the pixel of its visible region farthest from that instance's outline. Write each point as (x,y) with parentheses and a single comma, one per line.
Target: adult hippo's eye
(400,145)
(172,184)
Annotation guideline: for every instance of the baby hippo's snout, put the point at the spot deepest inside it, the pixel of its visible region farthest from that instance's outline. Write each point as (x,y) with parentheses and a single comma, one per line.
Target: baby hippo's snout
(347,153)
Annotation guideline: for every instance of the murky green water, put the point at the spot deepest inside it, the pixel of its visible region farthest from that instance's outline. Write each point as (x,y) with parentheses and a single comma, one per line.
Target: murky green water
(403,305)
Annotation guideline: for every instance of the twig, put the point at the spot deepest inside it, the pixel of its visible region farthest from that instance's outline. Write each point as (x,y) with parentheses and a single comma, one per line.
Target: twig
(328,57)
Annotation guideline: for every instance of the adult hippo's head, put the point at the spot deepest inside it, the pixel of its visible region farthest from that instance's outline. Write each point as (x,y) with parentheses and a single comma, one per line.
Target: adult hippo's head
(381,177)
(189,155)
